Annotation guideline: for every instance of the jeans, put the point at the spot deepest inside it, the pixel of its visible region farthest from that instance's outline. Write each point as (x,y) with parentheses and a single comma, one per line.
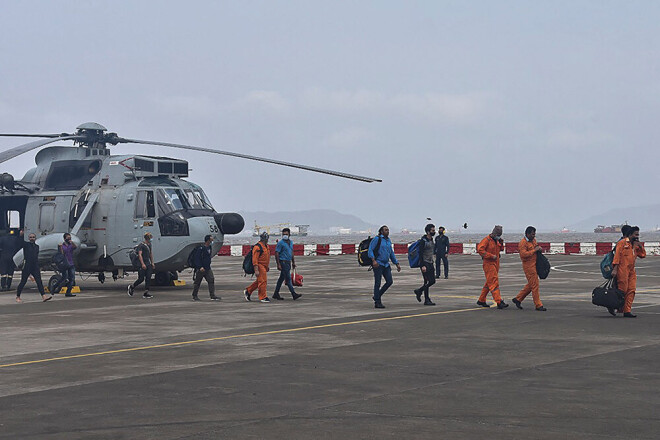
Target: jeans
(445,263)
(68,277)
(429,279)
(384,272)
(144,275)
(285,277)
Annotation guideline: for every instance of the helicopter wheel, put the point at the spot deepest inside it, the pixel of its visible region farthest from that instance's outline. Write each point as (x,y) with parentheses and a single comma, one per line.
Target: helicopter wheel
(53,281)
(164,279)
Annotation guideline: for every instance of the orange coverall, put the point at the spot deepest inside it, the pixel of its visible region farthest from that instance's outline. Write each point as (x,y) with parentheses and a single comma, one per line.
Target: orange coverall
(528,257)
(626,277)
(262,260)
(489,250)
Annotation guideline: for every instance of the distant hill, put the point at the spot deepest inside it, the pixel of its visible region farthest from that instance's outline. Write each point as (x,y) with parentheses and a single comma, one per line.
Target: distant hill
(319,220)
(646,217)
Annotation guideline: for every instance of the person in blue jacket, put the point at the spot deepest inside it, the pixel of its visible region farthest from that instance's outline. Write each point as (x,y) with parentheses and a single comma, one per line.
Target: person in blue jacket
(381,252)
(202,261)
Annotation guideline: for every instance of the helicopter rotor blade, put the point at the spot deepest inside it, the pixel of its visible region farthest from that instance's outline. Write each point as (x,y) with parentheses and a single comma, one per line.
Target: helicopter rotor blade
(17,151)
(260,159)
(33,135)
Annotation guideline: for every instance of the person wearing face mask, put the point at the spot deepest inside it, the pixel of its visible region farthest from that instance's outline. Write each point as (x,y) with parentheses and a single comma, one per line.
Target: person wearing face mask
(527,248)
(489,248)
(147,267)
(441,252)
(381,253)
(426,265)
(261,263)
(202,262)
(285,261)
(625,255)
(31,267)
(69,274)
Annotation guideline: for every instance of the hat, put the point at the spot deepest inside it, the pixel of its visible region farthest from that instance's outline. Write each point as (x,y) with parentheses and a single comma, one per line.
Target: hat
(264,236)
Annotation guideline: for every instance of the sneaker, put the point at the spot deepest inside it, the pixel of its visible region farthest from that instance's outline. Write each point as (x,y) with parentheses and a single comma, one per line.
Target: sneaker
(541,309)
(215,298)
(70,294)
(418,294)
(247,295)
(629,315)
(517,303)
(502,305)
(196,298)
(265,300)
(483,304)
(428,302)
(278,297)
(147,295)
(296,295)
(379,305)
(131,289)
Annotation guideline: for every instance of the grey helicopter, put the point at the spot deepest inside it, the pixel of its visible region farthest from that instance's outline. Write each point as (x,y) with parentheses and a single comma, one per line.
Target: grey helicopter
(108,202)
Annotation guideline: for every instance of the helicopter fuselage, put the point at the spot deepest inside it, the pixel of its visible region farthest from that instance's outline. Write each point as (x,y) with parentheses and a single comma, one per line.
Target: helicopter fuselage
(109,203)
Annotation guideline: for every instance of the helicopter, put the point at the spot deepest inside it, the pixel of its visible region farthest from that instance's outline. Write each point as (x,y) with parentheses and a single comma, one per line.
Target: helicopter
(108,202)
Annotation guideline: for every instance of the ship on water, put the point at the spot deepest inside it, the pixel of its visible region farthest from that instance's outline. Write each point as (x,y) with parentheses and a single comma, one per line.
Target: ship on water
(609,229)
(276,229)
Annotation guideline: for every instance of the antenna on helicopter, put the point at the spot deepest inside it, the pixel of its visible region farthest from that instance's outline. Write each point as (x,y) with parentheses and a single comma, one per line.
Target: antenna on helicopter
(93,135)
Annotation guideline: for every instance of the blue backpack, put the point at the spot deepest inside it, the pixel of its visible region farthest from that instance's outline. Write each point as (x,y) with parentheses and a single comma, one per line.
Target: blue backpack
(606,265)
(415,253)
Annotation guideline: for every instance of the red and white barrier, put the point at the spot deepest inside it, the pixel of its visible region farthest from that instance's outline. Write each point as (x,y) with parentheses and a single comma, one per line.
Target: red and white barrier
(652,248)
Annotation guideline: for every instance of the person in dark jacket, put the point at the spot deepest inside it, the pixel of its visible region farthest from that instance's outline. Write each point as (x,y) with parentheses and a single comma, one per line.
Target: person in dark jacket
(31,267)
(9,245)
(441,252)
(203,269)
(426,265)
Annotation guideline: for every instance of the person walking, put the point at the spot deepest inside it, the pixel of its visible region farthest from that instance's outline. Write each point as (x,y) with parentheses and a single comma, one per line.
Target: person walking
(426,265)
(285,261)
(9,245)
(261,263)
(66,248)
(381,253)
(441,252)
(528,249)
(31,267)
(203,271)
(489,248)
(627,252)
(147,267)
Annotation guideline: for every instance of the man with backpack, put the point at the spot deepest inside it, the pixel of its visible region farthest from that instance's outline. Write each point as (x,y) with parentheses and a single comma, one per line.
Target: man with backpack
(426,265)
(146,267)
(489,248)
(441,252)
(381,252)
(261,262)
(528,248)
(202,265)
(285,261)
(625,255)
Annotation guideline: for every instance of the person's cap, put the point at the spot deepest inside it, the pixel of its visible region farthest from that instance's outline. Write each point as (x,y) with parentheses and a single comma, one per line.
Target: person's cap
(264,236)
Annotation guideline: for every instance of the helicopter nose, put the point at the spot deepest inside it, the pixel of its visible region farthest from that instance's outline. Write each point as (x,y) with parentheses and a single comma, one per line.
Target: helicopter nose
(229,222)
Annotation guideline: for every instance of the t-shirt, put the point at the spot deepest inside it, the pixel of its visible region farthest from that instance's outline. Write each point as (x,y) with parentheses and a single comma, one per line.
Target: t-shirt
(67,250)
(146,252)
(285,249)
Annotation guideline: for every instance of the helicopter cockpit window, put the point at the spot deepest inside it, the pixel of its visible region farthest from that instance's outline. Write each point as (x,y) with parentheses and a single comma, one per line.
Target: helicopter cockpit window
(170,200)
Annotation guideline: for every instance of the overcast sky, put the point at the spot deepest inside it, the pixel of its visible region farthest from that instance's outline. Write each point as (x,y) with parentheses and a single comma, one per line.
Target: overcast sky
(511,112)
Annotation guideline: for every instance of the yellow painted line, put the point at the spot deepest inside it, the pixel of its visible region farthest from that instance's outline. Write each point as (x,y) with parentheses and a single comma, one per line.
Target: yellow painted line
(245,335)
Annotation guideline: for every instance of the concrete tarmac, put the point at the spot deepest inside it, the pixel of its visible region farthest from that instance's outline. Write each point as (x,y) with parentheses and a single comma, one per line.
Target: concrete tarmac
(329,366)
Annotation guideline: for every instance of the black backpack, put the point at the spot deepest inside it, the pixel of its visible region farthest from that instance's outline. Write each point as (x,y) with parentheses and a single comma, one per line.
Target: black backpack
(192,258)
(542,265)
(59,260)
(248,267)
(363,251)
(135,259)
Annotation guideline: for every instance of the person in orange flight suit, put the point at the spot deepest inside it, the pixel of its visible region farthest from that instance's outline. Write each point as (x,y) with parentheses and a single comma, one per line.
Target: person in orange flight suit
(261,262)
(489,248)
(527,248)
(627,251)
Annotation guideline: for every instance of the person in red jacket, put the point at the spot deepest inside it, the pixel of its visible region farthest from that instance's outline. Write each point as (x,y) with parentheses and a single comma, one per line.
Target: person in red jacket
(261,262)
(489,248)
(627,251)
(527,248)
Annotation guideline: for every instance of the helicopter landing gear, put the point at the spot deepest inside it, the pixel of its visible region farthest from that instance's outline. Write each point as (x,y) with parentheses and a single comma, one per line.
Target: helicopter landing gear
(165,278)
(101,277)
(53,281)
